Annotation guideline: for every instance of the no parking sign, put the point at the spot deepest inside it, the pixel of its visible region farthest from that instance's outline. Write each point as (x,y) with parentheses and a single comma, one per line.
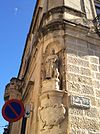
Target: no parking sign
(13,110)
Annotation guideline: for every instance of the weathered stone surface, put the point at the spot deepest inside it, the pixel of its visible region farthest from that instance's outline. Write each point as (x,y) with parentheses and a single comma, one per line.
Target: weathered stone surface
(87,90)
(91,124)
(84,71)
(84,123)
(91,52)
(72,60)
(94,67)
(96,84)
(76,122)
(73,45)
(52,84)
(83,55)
(83,63)
(94,60)
(52,115)
(73,68)
(98,93)
(98,102)
(71,52)
(93,101)
(93,47)
(72,77)
(76,111)
(90,132)
(85,80)
(98,76)
(72,86)
(77,61)
(52,112)
(93,75)
(79,78)
(92,112)
(78,131)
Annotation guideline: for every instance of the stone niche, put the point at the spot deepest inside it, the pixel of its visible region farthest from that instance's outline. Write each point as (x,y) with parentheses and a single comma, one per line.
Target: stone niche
(52,112)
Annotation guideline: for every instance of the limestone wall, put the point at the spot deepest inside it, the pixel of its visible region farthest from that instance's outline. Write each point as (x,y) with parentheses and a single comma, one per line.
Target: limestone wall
(83,80)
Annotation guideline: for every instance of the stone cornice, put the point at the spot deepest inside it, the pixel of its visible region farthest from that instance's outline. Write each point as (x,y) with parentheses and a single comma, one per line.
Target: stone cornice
(63,9)
(55,25)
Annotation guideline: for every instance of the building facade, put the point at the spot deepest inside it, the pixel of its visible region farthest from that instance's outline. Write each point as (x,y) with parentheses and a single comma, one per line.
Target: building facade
(59,77)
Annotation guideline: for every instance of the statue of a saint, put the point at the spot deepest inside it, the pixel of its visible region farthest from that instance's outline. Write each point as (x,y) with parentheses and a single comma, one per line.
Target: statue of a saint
(51,66)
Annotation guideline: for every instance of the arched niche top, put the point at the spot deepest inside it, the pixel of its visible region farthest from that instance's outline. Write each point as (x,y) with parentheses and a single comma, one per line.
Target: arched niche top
(56,45)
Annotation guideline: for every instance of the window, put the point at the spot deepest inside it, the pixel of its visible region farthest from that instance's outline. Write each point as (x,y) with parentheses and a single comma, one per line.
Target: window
(96,21)
(98,9)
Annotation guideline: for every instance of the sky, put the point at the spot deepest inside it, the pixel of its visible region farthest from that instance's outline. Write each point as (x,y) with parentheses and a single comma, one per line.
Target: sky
(15,20)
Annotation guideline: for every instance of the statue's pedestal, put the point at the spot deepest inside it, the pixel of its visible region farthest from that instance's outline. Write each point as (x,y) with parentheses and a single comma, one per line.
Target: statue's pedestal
(50,84)
(52,111)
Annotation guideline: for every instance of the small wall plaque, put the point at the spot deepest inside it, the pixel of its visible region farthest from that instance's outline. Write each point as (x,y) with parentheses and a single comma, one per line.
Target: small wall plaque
(81,102)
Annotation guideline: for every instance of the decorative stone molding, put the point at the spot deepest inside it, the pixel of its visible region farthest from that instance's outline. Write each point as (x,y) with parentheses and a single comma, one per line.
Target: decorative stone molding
(59,11)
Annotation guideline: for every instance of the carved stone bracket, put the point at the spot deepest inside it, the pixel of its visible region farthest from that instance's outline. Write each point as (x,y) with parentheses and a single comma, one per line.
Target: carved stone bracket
(13,89)
(56,112)
(52,112)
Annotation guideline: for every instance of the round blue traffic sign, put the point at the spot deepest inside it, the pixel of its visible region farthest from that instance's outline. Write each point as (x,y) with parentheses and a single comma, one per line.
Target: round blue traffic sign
(13,110)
